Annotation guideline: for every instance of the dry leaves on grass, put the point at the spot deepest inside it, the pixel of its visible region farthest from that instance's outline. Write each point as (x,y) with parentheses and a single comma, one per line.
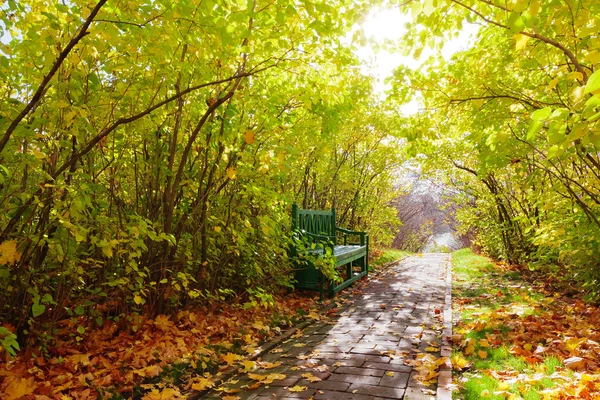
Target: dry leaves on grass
(533,329)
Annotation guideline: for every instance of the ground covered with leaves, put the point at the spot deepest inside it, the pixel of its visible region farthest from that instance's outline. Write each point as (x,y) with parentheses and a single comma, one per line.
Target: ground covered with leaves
(516,338)
(156,358)
(168,357)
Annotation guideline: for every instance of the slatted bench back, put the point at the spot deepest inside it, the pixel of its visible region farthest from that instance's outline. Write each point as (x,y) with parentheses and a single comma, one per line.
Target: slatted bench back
(314,221)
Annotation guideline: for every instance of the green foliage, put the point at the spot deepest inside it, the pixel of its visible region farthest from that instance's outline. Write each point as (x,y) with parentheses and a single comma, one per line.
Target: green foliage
(150,151)
(514,128)
(8,340)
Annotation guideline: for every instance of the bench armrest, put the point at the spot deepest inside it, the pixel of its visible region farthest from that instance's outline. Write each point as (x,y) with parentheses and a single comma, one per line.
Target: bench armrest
(349,232)
(346,232)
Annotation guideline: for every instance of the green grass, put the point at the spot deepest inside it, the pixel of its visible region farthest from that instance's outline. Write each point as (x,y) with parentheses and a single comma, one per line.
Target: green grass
(388,256)
(482,289)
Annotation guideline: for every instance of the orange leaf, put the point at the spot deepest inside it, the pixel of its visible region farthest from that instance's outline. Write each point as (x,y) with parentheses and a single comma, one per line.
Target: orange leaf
(149,372)
(19,387)
(163,323)
(482,354)
(231,172)
(249,137)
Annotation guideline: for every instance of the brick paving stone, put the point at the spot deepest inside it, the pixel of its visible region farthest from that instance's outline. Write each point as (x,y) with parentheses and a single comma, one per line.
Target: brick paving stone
(331,385)
(397,380)
(389,367)
(377,390)
(360,371)
(327,395)
(359,353)
(367,380)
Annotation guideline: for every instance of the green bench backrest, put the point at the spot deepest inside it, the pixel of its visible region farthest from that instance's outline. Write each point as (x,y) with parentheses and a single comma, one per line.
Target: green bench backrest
(313,221)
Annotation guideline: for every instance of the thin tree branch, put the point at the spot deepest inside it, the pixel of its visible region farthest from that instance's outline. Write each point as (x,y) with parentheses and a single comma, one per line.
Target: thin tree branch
(83,31)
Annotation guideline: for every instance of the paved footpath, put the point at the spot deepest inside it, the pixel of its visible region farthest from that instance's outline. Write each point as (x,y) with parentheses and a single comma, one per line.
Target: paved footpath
(366,351)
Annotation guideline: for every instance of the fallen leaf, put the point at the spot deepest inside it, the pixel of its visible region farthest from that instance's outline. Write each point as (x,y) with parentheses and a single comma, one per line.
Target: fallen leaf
(297,389)
(248,365)
(202,383)
(310,377)
(575,363)
(165,394)
(163,323)
(231,358)
(19,387)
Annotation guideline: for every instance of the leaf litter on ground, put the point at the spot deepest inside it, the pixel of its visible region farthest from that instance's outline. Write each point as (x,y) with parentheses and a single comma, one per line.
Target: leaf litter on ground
(515,340)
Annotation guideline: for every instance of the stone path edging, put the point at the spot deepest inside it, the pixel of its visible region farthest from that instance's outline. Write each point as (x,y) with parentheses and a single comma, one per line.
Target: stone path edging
(444,389)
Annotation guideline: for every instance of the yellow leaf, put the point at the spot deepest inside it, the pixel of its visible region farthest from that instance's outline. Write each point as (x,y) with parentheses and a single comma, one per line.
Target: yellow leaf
(230,358)
(470,349)
(137,299)
(482,354)
(576,76)
(390,373)
(163,323)
(217,229)
(520,41)
(70,117)
(484,343)
(552,84)
(459,362)
(248,365)
(164,394)
(9,253)
(248,339)
(231,173)
(528,346)
(297,389)
(269,365)
(273,377)
(310,377)
(431,349)
(19,387)
(249,137)
(149,372)
(257,377)
(230,398)
(201,383)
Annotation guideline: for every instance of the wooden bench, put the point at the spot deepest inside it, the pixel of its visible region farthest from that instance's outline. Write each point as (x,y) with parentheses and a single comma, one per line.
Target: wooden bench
(317,230)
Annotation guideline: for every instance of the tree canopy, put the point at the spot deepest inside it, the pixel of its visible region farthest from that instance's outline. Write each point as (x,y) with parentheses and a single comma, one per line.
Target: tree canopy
(513,124)
(150,151)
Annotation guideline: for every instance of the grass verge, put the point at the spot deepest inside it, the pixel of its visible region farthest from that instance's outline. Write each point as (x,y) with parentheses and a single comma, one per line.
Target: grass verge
(513,342)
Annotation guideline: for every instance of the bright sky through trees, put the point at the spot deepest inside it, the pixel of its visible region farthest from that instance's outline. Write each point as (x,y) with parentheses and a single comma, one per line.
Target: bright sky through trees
(383,25)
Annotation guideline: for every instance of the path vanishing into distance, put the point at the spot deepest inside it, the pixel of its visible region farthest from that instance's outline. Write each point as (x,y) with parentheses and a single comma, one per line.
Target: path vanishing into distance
(382,343)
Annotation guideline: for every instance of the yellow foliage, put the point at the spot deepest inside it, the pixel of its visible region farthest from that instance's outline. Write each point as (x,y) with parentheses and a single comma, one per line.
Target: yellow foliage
(9,253)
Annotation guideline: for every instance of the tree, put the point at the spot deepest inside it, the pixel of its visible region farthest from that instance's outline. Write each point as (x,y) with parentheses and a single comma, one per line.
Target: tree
(515,117)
